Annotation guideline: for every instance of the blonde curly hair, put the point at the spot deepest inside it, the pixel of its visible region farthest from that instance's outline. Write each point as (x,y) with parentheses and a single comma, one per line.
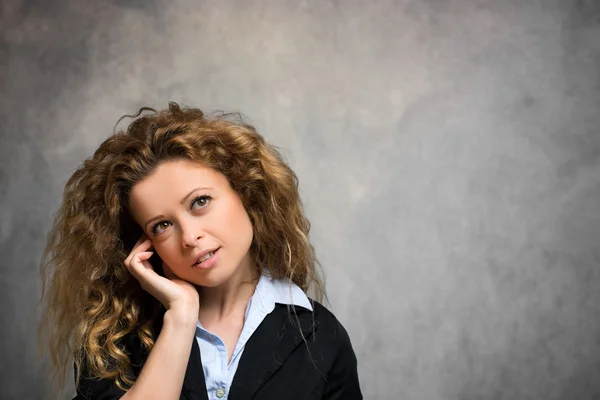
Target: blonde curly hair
(90,301)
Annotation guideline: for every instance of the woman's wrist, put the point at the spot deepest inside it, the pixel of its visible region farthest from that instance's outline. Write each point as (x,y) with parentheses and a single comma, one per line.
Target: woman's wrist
(181,317)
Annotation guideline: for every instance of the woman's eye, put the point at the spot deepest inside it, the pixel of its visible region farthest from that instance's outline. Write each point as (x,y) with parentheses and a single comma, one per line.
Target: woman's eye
(202,201)
(162,225)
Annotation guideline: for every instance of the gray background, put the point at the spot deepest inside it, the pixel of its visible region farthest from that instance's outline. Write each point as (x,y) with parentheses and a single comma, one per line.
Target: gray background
(448,154)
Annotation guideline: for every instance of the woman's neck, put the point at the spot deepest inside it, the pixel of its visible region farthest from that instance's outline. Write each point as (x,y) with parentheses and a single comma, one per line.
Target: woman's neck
(217,303)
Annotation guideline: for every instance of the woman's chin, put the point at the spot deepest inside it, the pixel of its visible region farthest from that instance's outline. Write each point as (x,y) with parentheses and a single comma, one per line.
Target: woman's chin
(210,278)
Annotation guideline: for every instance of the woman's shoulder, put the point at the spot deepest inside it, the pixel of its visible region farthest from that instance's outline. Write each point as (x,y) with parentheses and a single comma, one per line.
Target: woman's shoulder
(319,320)
(328,324)
(342,371)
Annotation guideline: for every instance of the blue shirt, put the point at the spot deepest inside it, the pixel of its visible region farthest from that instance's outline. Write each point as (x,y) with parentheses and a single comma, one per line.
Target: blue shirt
(217,372)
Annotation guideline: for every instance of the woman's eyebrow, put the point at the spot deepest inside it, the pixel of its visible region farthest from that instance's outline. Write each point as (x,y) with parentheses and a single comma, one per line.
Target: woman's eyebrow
(190,193)
(182,202)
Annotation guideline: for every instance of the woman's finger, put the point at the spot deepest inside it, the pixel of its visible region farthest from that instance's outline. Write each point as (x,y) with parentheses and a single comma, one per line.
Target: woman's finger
(137,264)
(139,247)
(143,257)
(143,246)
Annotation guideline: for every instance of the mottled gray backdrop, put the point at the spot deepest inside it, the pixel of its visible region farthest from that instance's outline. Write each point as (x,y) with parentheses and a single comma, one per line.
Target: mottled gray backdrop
(448,155)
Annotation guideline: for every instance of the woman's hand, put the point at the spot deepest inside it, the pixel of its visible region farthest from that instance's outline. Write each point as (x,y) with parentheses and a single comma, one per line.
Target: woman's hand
(177,295)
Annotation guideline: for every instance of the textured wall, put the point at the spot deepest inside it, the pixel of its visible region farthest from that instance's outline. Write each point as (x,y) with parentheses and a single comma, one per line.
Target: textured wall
(448,153)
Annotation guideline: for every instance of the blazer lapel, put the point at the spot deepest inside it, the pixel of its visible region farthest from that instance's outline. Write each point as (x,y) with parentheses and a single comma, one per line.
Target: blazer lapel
(194,383)
(268,348)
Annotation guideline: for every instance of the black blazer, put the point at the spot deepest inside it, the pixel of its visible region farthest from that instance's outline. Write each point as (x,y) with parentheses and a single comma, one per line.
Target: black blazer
(277,362)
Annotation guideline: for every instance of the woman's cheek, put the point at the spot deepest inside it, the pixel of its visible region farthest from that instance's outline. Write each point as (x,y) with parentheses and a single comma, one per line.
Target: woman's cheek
(168,256)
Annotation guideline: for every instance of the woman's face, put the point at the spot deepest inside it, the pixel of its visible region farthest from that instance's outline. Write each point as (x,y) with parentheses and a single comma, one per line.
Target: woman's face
(187,209)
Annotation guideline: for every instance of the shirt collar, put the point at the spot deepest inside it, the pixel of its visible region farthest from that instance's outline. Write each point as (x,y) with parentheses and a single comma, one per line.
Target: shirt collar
(270,291)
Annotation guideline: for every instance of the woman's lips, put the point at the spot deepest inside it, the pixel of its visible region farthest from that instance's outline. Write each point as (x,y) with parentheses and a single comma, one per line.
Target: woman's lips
(209,263)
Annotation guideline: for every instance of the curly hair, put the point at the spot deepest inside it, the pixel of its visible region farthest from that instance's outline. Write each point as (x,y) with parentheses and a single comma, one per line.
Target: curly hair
(91,300)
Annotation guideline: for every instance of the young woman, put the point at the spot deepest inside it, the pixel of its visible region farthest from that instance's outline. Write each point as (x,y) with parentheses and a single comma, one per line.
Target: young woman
(179,266)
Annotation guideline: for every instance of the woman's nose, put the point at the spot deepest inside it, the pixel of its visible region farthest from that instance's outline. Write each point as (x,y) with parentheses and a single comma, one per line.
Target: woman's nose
(190,235)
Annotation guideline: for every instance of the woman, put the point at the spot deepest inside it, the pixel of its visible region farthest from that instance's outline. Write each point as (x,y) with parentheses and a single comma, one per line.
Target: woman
(179,264)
